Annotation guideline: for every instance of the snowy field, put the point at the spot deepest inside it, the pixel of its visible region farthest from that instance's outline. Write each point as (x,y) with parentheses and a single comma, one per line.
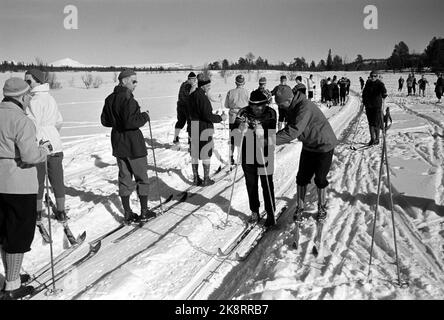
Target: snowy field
(176,256)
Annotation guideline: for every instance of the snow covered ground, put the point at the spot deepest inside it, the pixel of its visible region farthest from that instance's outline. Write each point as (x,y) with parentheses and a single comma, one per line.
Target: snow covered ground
(175,256)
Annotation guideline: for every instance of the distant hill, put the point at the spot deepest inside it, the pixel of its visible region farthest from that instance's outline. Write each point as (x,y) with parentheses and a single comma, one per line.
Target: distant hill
(68,62)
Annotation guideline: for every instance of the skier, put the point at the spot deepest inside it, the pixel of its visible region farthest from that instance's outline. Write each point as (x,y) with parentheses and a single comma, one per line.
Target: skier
(323,85)
(361,81)
(258,123)
(422,83)
(311,86)
(262,87)
(202,129)
(347,87)
(235,100)
(307,123)
(328,92)
(182,102)
(43,111)
(439,87)
(19,153)
(414,83)
(372,97)
(342,90)
(400,83)
(335,90)
(409,85)
(122,113)
(299,86)
(282,95)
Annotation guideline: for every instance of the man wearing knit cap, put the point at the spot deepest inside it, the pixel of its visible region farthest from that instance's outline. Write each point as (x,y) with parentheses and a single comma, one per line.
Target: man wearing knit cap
(202,129)
(122,113)
(258,123)
(282,95)
(43,111)
(263,89)
(307,123)
(19,152)
(182,104)
(235,100)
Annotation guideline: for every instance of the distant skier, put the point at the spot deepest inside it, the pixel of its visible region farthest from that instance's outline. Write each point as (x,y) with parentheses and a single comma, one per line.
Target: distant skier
(311,87)
(323,86)
(422,83)
(335,92)
(235,100)
(307,123)
(342,90)
(400,83)
(202,130)
(182,102)
(19,153)
(439,87)
(347,87)
(122,113)
(409,85)
(43,111)
(329,92)
(414,83)
(258,122)
(373,95)
(361,81)
(299,86)
(282,95)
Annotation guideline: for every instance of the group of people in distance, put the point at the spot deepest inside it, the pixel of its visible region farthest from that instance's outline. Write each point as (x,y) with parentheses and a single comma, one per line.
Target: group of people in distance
(334,92)
(422,84)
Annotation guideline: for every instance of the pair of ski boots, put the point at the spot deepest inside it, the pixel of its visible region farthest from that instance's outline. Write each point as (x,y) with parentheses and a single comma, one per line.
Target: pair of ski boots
(320,217)
(197,181)
(145,215)
(269,222)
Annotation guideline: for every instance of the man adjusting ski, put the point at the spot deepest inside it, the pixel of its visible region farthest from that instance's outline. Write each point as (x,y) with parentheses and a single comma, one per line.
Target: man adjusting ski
(307,123)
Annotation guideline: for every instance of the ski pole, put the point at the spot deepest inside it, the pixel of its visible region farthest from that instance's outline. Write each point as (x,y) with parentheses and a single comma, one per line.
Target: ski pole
(155,167)
(384,145)
(235,174)
(268,184)
(54,290)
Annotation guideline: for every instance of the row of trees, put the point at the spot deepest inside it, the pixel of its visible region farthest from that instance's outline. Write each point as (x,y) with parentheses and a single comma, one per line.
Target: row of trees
(401,58)
(432,57)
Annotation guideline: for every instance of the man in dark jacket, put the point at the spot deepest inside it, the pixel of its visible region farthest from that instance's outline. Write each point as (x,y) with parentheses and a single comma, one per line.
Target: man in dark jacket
(342,90)
(372,98)
(282,96)
(439,87)
(422,83)
(202,129)
(361,81)
(182,102)
(257,121)
(307,123)
(122,112)
(299,86)
(400,83)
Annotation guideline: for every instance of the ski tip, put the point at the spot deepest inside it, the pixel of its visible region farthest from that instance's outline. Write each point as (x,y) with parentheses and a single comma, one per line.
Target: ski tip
(238,257)
(81,237)
(94,247)
(169,198)
(295,245)
(220,252)
(184,196)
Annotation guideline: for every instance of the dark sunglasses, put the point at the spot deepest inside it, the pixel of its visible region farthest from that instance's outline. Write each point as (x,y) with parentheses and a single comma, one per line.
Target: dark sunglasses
(134,81)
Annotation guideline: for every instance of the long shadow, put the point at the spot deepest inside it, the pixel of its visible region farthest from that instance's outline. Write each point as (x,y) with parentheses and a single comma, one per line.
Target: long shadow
(178,172)
(157,144)
(398,199)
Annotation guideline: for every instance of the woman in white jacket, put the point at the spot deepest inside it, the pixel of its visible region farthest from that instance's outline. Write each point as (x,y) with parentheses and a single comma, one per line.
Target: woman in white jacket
(43,111)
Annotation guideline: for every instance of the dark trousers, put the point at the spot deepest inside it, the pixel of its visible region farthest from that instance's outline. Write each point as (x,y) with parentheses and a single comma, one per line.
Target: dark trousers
(181,116)
(314,163)
(251,181)
(133,168)
(233,134)
(55,175)
(409,91)
(18,214)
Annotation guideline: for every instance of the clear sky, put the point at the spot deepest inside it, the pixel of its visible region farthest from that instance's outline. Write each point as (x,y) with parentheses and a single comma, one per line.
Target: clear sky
(198,31)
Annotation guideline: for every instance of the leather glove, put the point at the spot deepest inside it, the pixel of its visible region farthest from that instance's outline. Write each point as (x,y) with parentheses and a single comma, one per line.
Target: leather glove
(46,145)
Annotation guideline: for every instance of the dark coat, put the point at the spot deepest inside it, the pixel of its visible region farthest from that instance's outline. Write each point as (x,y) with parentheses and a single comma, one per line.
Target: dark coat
(268,122)
(373,93)
(307,123)
(184,93)
(122,112)
(200,112)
